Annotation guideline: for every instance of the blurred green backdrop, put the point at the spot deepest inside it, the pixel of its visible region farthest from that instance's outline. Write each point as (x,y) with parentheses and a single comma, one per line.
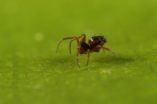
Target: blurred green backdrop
(31,72)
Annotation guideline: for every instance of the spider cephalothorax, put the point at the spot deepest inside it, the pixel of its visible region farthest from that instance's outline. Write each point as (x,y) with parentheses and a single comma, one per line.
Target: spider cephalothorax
(95,44)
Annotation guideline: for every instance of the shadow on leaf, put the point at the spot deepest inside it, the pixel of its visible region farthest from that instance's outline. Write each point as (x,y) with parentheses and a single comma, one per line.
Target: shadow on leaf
(115,59)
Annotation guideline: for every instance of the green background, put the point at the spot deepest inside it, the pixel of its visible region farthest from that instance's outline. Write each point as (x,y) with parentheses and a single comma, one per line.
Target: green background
(32,73)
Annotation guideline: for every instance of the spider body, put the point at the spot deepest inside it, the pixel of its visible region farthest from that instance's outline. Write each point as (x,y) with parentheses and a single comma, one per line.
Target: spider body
(94,44)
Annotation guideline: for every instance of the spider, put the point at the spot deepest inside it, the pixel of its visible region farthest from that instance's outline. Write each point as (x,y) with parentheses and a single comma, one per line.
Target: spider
(95,44)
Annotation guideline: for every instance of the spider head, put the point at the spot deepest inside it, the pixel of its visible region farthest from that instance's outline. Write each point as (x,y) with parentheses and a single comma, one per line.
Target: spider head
(97,40)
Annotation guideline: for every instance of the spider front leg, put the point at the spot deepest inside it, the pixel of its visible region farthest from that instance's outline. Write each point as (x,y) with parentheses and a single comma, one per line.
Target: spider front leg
(78,52)
(79,39)
(82,37)
(70,45)
(66,38)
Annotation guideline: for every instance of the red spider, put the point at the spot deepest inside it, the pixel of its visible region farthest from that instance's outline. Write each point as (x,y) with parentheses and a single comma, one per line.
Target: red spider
(95,44)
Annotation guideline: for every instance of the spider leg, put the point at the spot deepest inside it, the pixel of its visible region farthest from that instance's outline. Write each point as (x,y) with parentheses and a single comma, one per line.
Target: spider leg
(79,39)
(78,46)
(104,48)
(59,43)
(83,36)
(83,39)
(70,45)
(78,53)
